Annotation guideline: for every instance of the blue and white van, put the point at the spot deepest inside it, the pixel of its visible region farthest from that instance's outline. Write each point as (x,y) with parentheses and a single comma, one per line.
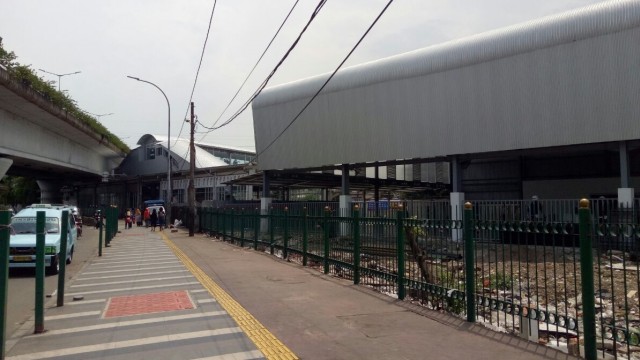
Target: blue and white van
(22,244)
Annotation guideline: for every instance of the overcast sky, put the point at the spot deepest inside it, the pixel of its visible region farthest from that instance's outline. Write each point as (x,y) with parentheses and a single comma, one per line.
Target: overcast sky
(161,41)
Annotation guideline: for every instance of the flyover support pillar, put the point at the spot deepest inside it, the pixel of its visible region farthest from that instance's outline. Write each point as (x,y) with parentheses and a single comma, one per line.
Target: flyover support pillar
(49,192)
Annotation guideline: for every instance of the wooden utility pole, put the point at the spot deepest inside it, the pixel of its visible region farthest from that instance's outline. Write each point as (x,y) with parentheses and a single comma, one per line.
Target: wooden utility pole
(191,191)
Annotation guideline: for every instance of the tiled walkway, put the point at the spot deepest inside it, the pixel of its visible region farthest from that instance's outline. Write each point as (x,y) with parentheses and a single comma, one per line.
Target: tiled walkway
(139,301)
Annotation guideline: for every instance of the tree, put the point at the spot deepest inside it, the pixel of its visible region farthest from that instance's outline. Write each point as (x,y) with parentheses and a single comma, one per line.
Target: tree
(7,59)
(16,190)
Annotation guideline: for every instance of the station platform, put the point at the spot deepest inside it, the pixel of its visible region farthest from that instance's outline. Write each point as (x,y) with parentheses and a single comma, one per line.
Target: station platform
(165,295)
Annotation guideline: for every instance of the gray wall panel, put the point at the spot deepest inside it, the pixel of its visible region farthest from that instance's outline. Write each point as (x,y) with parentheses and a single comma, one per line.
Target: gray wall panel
(523,91)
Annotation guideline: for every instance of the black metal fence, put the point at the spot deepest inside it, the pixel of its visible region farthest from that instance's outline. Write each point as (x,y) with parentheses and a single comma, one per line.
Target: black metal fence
(516,266)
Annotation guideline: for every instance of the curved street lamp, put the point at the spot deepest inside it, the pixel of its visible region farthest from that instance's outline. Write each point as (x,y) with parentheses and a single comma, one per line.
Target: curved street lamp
(60,75)
(170,187)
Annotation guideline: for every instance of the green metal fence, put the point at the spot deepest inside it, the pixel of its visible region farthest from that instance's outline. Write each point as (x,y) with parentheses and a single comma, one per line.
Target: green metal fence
(518,266)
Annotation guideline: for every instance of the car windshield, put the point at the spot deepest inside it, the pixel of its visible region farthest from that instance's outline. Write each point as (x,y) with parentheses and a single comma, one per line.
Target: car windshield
(27,225)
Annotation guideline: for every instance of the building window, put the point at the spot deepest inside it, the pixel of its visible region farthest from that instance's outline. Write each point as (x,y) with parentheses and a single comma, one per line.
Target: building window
(151,152)
(178,195)
(204,194)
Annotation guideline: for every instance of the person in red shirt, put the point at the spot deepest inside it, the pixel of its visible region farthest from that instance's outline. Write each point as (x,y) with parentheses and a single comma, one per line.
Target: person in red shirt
(146,217)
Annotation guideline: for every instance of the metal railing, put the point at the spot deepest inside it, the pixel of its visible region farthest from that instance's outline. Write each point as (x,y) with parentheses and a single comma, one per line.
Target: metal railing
(524,271)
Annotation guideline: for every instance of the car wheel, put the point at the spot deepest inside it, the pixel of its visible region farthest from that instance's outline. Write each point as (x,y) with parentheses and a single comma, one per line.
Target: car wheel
(70,255)
(54,268)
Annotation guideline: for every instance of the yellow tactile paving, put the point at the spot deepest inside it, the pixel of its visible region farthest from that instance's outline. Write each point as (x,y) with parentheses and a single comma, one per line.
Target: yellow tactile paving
(264,340)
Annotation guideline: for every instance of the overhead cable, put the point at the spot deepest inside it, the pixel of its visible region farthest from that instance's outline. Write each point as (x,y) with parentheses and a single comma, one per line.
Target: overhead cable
(256,64)
(195,81)
(266,81)
(327,81)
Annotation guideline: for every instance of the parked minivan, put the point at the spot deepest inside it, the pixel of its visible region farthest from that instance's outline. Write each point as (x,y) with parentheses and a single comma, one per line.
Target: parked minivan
(22,244)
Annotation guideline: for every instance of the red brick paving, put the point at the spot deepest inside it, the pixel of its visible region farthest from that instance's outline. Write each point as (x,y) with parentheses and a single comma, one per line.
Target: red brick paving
(148,303)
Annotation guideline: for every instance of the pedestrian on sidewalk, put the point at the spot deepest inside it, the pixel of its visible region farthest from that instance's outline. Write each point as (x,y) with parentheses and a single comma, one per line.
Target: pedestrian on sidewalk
(138,217)
(146,217)
(154,220)
(161,218)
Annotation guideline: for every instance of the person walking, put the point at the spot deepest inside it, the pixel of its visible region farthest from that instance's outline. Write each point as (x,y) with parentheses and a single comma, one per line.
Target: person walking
(146,217)
(154,220)
(161,218)
(128,219)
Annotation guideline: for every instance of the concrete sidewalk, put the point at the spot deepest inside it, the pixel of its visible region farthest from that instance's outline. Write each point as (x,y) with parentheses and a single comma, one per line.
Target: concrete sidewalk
(139,301)
(165,295)
(322,317)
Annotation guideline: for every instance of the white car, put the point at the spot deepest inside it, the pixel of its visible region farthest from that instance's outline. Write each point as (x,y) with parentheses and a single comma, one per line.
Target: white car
(22,244)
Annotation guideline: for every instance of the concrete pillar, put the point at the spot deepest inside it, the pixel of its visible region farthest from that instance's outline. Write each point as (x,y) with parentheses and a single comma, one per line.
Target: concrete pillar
(139,193)
(345,179)
(456,175)
(625,193)
(345,200)
(5,164)
(49,192)
(625,198)
(624,165)
(456,200)
(345,210)
(265,202)
(265,206)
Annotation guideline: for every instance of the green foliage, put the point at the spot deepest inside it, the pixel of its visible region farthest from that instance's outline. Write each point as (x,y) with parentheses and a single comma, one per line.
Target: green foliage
(7,59)
(18,190)
(496,281)
(416,227)
(26,76)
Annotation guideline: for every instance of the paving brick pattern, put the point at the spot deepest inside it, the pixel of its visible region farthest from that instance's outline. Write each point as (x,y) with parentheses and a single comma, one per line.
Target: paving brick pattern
(148,303)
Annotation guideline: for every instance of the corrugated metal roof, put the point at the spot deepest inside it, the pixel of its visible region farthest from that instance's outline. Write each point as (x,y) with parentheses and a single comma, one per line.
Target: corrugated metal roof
(562,80)
(571,26)
(204,159)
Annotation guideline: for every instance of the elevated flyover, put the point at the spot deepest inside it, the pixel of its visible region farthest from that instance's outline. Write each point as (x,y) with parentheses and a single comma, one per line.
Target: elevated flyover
(47,143)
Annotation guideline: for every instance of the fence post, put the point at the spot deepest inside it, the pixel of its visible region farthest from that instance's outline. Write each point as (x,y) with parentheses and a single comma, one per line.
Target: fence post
(210,216)
(5,219)
(39,300)
(256,229)
(271,230)
(325,238)
(356,244)
(218,226)
(305,235)
(469,265)
(104,225)
(64,238)
(285,252)
(213,221)
(242,227)
(224,224)
(402,291)
(99,240)
(586,270)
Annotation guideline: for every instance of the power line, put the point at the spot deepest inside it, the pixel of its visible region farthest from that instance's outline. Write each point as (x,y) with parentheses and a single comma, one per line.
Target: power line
(256,64)
(327,81)
(266,81)
(204,46)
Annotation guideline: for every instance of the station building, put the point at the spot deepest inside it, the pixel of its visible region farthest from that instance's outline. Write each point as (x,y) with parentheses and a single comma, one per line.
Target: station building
(548,108)
(142,175)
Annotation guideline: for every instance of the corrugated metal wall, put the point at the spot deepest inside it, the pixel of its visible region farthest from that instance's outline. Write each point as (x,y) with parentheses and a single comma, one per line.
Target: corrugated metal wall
(564,80)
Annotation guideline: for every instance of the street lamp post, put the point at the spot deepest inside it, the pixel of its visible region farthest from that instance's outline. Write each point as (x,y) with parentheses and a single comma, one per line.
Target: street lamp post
(60,75)
(169,185)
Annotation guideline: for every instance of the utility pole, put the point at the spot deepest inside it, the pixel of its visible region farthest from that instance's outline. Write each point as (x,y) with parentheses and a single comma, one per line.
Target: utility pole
(191,191)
